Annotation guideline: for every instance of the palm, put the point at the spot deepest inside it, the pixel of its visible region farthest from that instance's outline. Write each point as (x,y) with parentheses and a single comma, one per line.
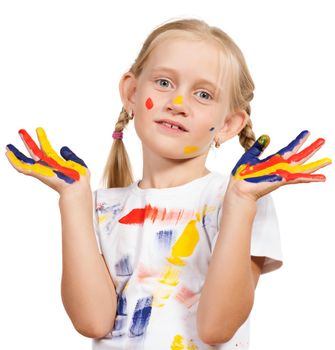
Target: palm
(284,167)
(46,164)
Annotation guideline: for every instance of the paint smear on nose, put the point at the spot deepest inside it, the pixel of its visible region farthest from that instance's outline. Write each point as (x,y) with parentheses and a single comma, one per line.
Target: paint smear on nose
(178,100)
(148,103)
(190,149)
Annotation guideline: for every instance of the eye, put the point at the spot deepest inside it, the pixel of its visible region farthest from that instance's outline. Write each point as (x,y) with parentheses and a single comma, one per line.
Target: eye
(204,94)
(166,82)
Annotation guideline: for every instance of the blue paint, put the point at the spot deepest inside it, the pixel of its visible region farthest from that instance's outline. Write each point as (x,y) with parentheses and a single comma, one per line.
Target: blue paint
(141,317)
(294,143)
(164,238)
(123,267)
(120,321)
(268,178)
(250,157)
(64,177)
(20,155)
(69,155)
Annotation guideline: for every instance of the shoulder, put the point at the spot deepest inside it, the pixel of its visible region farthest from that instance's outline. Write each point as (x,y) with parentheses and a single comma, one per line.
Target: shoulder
(111,194)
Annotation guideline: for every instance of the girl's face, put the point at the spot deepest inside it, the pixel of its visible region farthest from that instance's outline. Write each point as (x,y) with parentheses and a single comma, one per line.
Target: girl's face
(182,81)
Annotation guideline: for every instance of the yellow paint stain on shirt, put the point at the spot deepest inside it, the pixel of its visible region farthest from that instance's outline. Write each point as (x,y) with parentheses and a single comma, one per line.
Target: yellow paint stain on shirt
(178,100)
(190,149)
(185,244)
(36,168)
(158,295)
(304,168)
(50,152)
(103,217)
(178,343)
(170,276)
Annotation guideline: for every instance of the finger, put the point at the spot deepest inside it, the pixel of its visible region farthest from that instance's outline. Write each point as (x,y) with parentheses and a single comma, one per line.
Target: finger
(295,145)
(76,162)
(259,146)
(50,152)
(28,168)
(307,153)
(265,178)
(29,143)
(20,155)
(38,153)
(309,167)
(35,169)
(301,177)
(250,157)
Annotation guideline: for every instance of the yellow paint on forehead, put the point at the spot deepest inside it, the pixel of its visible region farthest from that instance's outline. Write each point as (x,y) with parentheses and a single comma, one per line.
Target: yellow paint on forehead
(178,100)
(190,149)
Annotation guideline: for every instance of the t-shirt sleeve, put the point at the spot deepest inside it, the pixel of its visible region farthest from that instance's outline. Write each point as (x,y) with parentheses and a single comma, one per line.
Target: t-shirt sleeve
(265,239)
(96,220)
(266,235)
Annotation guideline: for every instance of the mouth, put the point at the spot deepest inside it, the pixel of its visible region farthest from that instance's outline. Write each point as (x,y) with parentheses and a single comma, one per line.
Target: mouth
(171,125)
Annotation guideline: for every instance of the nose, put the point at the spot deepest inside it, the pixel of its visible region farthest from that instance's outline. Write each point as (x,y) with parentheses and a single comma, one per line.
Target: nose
(177,105)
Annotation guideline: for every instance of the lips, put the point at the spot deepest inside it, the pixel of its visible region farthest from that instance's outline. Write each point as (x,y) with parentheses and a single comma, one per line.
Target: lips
(172,122)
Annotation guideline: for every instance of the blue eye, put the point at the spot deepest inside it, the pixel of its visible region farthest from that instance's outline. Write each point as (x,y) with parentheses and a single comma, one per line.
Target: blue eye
(206,94)
(163,80)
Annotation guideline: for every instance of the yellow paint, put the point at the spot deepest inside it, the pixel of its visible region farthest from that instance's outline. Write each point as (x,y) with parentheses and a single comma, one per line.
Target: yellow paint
(190,149)
(36,168)
(178,100)
(185,244)
(170,276)
(50,152)
(178,343)
(305,168)
(158,294)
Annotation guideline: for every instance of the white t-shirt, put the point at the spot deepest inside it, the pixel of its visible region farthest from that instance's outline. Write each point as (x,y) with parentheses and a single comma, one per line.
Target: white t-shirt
(157,244)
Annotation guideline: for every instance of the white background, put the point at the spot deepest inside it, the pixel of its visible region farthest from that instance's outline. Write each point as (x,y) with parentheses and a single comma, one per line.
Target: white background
(60,65)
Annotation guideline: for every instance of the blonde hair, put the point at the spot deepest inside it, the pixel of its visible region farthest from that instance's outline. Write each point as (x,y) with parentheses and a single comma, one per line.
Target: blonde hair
(118,172)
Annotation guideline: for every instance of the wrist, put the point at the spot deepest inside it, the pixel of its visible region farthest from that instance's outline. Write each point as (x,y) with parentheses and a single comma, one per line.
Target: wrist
(75,191)
(243,204)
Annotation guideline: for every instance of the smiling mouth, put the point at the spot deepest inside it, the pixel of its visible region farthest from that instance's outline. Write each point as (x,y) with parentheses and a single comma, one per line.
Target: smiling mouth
(173,127)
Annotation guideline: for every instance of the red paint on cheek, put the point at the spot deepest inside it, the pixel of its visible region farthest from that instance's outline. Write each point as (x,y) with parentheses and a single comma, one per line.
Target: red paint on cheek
(148,103)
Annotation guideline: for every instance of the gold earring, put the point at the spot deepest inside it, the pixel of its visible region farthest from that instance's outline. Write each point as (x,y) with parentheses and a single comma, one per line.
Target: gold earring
(217,143)
(130,114)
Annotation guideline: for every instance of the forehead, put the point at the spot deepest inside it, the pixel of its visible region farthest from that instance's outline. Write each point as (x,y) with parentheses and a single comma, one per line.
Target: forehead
(191,57)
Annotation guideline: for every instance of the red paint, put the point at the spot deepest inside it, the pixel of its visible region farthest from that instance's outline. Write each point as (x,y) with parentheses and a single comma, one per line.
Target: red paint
(295,158)
(148,103)
(289,176)
(139,215)
(307,151)
(73,174)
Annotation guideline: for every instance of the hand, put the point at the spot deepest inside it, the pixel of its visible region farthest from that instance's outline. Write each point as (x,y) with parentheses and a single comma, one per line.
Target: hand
(253,178)
(46,165)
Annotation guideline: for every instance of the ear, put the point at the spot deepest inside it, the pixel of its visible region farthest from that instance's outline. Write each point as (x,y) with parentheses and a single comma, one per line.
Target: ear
(127,88)
(232,125)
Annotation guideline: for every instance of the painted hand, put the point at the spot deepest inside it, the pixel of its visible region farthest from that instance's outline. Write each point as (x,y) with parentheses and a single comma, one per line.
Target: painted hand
(46,164)
(284,167)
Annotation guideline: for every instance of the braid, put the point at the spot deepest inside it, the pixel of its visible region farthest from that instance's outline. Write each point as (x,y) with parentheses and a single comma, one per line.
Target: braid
(118,172)
(122,121)
(247,136)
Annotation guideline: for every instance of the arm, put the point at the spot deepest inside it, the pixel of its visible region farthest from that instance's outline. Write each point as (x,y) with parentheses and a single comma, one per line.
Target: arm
(88,292)
(228,292)
(231,273)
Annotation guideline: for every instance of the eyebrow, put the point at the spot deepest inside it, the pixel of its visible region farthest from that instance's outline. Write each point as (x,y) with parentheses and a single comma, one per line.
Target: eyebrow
(173,71)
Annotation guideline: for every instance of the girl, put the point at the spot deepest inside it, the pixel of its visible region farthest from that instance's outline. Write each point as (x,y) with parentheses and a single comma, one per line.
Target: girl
(172,261)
